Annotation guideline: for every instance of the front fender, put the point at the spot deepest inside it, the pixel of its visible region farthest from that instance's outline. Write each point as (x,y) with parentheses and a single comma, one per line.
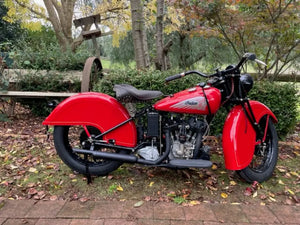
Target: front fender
(239,137)
(98,110)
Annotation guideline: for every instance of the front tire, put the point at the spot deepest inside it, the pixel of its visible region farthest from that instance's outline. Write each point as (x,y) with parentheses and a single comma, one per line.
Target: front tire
(68,137)
(265,156)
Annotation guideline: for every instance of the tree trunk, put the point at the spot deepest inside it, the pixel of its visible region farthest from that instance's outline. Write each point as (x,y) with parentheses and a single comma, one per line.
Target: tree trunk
(139,35)
(162,61)
(61,16)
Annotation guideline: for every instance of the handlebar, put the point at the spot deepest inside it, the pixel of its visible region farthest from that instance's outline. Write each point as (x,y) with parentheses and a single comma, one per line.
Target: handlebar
(177,76)
(232,70)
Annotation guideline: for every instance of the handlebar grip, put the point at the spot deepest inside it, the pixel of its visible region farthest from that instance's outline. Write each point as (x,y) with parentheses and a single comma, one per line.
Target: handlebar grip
(174,77)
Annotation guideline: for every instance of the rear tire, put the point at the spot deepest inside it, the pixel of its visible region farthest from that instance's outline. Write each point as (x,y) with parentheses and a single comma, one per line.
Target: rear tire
(265,156)
(68,137)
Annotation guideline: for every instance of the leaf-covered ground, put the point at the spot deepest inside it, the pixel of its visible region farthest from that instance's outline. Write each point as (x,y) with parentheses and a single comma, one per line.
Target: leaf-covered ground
(31,169)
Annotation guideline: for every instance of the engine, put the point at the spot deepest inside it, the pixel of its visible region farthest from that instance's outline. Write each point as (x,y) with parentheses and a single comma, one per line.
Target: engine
(186,138)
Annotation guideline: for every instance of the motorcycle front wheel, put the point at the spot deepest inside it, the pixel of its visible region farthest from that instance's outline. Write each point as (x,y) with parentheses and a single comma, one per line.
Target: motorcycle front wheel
(265,155)
(68,137)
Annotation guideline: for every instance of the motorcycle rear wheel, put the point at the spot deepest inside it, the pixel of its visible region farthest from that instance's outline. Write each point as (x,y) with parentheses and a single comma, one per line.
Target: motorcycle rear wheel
(265,156)
(68,137)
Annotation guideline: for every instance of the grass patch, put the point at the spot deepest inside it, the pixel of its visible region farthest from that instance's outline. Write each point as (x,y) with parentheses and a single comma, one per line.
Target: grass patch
(107,64)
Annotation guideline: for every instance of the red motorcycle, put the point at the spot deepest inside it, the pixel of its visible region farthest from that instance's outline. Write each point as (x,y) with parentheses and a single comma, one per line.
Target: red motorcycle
(95,133)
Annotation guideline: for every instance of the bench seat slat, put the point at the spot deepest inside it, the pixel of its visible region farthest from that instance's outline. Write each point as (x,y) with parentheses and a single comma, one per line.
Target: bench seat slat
(33,94)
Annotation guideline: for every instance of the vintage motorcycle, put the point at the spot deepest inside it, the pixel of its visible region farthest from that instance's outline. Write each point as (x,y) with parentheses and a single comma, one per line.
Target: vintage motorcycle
(95,133)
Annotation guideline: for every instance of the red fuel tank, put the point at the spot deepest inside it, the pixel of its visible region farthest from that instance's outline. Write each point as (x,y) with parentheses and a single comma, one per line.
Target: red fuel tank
(191,101)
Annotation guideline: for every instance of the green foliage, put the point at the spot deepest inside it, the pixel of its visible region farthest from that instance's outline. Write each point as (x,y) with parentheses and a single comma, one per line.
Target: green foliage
(124,53)
(280,98)
(48,82)
(187,51)
(40,50)
(9,31)
(179,200)
(49,57)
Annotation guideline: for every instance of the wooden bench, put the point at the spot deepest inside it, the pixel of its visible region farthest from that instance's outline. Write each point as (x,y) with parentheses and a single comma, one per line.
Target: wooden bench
(35,94)
(30,94)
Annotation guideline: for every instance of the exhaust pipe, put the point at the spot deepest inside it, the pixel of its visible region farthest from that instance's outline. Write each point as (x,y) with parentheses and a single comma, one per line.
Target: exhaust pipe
(108,155)
(127,158)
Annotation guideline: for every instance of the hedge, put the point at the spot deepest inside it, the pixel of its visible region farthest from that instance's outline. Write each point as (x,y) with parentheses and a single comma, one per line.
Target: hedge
(49,82)
(280,98)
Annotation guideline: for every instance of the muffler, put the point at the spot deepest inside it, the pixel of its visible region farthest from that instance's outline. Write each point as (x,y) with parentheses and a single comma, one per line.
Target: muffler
(108,155)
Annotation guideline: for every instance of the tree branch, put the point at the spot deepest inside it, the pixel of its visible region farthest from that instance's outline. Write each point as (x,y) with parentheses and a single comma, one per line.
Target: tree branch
(32,10)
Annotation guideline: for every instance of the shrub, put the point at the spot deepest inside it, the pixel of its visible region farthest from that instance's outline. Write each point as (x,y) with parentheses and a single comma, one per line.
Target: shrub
(280,98)
(49,57)
(48,82)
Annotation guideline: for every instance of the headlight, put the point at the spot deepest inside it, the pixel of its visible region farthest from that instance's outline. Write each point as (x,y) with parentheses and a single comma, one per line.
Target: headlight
(246,82)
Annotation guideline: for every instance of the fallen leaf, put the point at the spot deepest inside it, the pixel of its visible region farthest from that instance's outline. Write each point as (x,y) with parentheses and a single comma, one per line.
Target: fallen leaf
(53,198)
(138,204)
(232,183)
(235,203)
(214,167)
(294,174)
(271,195)
(248,191)
(255,185)
(147,198)
(281,169)
(32,191)
(194,202)
(296,153)
(151,184)
(224,195)
(72,176)
(171,194)
(83,199)
(281,182)
(263,197)
(32,170)
(254,194)
(119,188)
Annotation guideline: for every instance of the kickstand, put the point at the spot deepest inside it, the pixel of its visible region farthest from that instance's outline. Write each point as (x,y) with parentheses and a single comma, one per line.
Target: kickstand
(87,171)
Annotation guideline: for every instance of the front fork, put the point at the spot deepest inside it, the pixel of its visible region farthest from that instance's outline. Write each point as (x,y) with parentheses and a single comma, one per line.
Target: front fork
(262,134)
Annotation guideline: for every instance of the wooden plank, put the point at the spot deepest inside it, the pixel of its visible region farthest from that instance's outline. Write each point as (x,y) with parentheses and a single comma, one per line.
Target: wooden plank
(33,94)
(87,20)
(87,35)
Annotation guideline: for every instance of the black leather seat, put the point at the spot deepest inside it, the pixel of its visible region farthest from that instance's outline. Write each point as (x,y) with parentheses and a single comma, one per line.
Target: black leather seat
(126,92)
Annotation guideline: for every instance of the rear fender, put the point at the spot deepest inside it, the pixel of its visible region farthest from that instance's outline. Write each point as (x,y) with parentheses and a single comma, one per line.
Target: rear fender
(239,137)
(98,110)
